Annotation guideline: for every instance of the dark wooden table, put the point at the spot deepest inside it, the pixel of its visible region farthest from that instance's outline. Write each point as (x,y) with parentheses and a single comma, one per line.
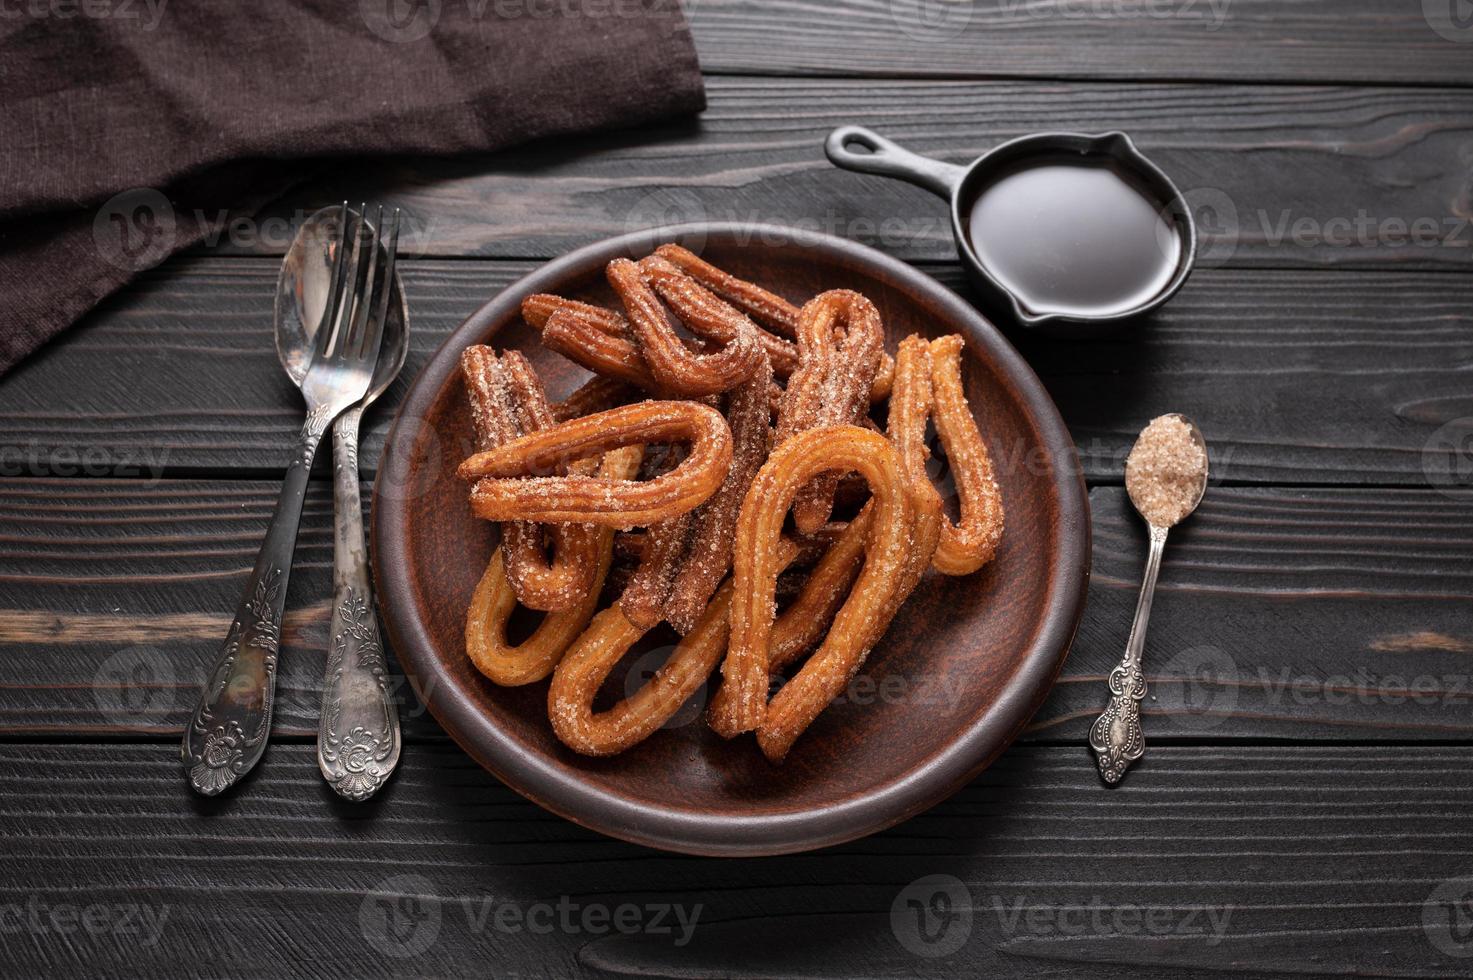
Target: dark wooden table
(1304,806)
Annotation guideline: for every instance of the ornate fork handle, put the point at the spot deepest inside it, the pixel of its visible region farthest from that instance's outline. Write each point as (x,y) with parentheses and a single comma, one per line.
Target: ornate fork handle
(358,740)
(227,734)
(1116,736)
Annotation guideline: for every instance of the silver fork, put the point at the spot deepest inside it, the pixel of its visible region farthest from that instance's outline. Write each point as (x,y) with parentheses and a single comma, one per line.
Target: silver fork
(227,734)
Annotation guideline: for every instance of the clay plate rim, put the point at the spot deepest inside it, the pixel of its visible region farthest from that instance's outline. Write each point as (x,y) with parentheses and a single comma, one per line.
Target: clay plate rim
(545,783)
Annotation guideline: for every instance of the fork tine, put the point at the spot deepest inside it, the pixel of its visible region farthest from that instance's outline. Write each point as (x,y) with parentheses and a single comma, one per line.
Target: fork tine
(353,346)
(344,319)
(335,293)
(385,296)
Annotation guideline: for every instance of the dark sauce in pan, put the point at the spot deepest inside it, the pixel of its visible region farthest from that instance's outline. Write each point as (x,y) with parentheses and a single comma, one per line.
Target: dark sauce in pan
(1072,234)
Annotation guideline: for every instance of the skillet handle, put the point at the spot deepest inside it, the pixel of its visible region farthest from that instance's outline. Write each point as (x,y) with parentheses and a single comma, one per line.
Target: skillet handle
(888,159)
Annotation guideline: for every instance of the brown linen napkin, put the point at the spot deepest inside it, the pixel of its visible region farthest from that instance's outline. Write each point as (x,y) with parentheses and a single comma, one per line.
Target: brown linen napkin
(126,126)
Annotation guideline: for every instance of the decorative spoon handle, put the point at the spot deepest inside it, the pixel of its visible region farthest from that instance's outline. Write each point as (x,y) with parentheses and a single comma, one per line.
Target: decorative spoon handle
(358,739)
(1117,737)
(227,734)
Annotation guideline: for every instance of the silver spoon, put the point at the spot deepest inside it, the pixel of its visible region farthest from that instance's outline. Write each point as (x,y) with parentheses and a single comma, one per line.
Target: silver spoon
(358,739)
(1116,736)
(227,733)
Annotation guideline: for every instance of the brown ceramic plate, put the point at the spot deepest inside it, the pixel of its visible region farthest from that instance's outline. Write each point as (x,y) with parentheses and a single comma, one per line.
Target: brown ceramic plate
(962,669)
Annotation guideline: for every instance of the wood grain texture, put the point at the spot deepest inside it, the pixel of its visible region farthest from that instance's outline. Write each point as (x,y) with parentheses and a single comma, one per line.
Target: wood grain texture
(116,596)
(1253,861)
(1291,613)
(1285,176)
(1226,40)
(1296,376)
(1284,613)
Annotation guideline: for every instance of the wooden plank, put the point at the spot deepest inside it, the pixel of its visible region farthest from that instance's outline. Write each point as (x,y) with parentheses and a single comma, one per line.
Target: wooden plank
(1208,40)
(1294,613)
(1204,860)
(1278,175)
(1295,376)
(120,392)
(117,596)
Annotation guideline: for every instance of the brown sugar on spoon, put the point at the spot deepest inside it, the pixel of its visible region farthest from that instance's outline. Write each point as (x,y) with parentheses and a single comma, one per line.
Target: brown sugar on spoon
(1164,472)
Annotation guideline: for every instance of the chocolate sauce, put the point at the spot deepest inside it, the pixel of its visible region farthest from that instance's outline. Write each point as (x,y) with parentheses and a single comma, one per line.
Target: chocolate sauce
(1071,234)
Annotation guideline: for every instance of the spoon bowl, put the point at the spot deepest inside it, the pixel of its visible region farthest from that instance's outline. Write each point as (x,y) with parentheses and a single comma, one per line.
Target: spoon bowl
(302,293)
(1201,444)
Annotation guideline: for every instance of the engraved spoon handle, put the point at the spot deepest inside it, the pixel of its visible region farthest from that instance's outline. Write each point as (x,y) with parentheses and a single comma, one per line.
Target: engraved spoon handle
(358,740)
(1116,736)
(227,733)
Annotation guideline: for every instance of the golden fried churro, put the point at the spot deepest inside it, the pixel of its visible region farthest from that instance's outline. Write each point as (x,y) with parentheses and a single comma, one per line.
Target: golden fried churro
(803,623)
(572,333)
(971,542)
(494,601)
(910,405)
(533,659)
(674,365)
(709,554)
(587,664)
(741,704)
(602,341)
(643,599)
(705,312)
(710,492)
(840,340)
(769,310)
(507,401)
(635,718)
(537,309)
(509,489)
(597,394)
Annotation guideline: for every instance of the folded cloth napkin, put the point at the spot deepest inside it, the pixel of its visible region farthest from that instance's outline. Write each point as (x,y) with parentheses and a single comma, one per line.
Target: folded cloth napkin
(126,126)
